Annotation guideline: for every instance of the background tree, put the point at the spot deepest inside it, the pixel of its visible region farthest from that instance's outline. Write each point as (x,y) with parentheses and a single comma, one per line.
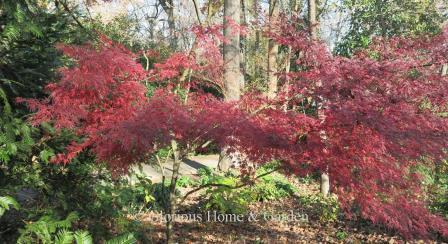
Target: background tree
(373,18)
(272,51)
(233,77)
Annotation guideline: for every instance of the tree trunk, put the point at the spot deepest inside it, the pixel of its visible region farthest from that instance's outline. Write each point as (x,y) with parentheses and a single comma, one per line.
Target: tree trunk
(444,69)
(294,5)
(232,55)
(172,205)
(233,78)
(243,45)
(258,68)
(168,7)
(312,18)
(272,53)
(224,161)
(325,184)
(324,178)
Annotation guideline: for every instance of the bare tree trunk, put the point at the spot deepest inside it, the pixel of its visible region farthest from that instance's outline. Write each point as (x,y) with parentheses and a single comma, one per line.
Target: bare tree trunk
(243,44)
(224,161)
(232,60)
(232,55)
(294,5)
(258,67)
(168,7)
(325,184)
(172,205)
(312,18)
(324,177)
(272,53)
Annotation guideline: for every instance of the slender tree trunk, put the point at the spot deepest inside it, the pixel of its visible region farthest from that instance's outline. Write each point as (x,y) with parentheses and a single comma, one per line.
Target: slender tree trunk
(172,205)
(232,60)
(258,67)
(168,7)
(243,44)
(272,53)
(325,184)
(224,161)
(294,10)
(324,177)
(312,18)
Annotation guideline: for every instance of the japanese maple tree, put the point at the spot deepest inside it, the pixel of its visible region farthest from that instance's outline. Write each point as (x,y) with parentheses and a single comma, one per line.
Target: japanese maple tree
(382,113)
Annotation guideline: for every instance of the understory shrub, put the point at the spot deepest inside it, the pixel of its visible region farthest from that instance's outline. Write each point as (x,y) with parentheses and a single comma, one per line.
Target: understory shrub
(327,208)
(230,196)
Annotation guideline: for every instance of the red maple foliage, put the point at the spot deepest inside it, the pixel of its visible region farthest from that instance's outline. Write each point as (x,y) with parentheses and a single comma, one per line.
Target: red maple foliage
(381,115)
(102,88)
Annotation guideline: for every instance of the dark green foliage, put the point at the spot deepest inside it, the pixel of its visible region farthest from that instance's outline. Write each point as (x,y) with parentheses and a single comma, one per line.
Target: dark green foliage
(29,33)
(161,194)
(28,57)
(15,135)
(370,18)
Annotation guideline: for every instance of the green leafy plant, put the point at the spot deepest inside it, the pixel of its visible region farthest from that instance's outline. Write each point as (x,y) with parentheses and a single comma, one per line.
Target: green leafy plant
(326,207)
(6,202)
(185,181)
(272,186)
(82,237)
(223,196)
(341,235)
(49,229)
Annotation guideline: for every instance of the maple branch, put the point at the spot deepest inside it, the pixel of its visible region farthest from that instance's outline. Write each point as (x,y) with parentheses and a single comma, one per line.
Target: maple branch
(227,186)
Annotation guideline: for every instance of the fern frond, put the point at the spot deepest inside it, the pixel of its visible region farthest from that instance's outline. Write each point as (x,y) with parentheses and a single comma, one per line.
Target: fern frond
(64,236)
(11,32)
(83,237)
(6,202)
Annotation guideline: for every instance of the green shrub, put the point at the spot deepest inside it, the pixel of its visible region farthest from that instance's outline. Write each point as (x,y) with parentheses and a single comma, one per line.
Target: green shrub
(326,207)
(186,181)
(226,199)
(272,186)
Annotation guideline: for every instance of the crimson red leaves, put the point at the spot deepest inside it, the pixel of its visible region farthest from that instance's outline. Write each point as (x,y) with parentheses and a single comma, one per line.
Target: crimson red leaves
(100,90)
